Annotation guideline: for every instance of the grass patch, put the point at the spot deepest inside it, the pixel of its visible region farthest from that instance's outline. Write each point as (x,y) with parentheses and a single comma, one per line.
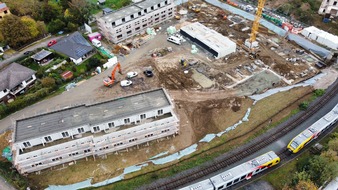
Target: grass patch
(112,4)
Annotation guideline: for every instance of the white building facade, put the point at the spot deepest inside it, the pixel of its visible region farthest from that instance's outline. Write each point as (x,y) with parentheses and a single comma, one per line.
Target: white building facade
(67,135)
(134,19)
(329,7)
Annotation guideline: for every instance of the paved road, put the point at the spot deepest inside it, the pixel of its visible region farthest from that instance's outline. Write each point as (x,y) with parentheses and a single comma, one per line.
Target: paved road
(4,185)
(35,45)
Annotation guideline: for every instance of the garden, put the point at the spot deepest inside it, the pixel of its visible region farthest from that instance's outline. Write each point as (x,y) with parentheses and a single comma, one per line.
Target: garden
(49,80)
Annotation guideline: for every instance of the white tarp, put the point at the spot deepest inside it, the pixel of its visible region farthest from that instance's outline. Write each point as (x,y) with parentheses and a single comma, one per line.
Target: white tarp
(321,37)
(111,62)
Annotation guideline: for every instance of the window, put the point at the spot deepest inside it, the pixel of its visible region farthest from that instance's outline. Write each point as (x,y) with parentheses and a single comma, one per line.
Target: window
(163,16)
(220,187)
(128,26)
(138,28)
(111,124)
(132,140)
(26,144)
(48,138)
(159,112)
(96,129)
(157,19)
(152,7)
(165,130)
(335,3)
(144,25)
(143,116)
(236,180)
(131,16)
(119,36)
(242,177)
(145,10)
(166,2)
(65,134)
(118,144)
(127,120)
(113,23)
(124,19)
(149,135)
(129,32)
(80,130)
(323,10)
(228,184)
(56,159)
(159,5)
(139,13)
(269,164)
(86,151)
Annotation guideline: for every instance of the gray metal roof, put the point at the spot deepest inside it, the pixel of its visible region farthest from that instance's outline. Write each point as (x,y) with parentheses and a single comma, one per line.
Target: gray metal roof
(41,55)
(129,10)
(74,46)
(58,121)
(13,75)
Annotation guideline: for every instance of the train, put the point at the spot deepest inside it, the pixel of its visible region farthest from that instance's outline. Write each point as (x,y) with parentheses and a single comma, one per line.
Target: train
(237,174)
(312,132)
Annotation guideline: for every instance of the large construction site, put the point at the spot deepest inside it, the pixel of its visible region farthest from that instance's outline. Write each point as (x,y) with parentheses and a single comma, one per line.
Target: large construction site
(204,88)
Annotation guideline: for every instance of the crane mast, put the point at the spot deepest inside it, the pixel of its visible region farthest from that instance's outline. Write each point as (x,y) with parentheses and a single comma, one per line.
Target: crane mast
(251,43)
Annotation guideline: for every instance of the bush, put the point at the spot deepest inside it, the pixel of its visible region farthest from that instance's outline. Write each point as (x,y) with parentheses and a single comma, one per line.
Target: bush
(319,92)
(48,82)
(93,63)
(74,69)
(303,106)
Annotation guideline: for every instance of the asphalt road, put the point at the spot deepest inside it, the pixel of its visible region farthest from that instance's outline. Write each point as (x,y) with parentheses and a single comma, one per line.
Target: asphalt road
(4,185)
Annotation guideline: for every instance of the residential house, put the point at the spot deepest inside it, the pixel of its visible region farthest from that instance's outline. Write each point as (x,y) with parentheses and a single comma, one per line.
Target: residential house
(329,7)
(70,134)
(4,10)
(14,80)
(134,19)
(75,46)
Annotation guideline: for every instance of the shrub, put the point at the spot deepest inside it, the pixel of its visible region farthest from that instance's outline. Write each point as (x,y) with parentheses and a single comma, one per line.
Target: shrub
(48,82)
(303,106)
(74,69)
(319,92)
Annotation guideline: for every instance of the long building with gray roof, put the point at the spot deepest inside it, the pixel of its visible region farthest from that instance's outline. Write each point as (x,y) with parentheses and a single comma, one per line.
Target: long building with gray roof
(134,19)
(62,136)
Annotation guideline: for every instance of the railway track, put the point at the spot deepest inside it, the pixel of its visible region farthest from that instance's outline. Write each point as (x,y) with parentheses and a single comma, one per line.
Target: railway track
(222,162)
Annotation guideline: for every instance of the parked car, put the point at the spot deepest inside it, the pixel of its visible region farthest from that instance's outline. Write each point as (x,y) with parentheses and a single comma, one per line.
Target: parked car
(148,73)
(126,83)
(52,42)
(174,40)
(27,52)
(131,75)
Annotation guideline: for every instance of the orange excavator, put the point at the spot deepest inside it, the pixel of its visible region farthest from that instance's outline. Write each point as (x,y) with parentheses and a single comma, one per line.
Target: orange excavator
(109,82)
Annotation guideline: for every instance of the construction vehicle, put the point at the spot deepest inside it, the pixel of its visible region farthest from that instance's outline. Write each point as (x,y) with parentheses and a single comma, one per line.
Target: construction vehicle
(252,43)
(110,81)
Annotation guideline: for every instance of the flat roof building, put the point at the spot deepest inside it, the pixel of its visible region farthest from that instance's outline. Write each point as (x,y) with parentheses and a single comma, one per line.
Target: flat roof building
(62,136)
(134,19)
(214,42)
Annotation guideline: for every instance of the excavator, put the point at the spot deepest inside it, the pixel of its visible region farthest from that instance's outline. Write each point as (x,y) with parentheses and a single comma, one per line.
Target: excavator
(110,81)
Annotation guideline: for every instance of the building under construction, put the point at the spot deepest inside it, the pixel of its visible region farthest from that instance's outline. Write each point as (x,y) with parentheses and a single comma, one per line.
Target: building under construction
(73,133)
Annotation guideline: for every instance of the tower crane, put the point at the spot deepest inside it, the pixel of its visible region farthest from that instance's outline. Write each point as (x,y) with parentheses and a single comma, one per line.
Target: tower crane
(252,43)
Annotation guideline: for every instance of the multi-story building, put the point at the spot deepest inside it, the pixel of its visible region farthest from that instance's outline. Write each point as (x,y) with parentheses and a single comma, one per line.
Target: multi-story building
(329,7)
(4,10)
(134,19)
(64,136)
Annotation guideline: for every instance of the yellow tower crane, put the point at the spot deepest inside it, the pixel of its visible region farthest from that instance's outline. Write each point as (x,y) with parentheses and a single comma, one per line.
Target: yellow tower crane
(252,43)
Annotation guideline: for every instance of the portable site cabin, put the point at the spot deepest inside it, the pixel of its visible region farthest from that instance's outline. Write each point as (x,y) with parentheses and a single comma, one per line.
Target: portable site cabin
(94,35)
(321,37)
(212,41)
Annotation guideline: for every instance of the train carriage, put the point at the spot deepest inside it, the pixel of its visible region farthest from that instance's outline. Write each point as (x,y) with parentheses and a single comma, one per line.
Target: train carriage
(245,170)
(312,132)
(202,185)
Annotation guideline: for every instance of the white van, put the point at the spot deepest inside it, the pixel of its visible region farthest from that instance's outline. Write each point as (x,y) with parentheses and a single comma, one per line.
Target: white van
(174,40)
(96,43)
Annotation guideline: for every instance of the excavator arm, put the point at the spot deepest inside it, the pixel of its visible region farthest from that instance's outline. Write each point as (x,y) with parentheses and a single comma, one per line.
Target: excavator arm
(111,79)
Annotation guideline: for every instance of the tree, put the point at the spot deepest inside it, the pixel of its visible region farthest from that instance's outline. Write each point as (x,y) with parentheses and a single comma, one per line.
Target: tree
(80,9)
(50,11)
(303,105)
(72,27)
(24,7)
(56,25)
(14,31)
(31,25)
(333,144)
(48,82)
(41,27)
(320,170)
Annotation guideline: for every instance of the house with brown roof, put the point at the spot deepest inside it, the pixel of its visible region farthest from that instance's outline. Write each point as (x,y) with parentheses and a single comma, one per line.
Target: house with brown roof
(4,10)
(14,80)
